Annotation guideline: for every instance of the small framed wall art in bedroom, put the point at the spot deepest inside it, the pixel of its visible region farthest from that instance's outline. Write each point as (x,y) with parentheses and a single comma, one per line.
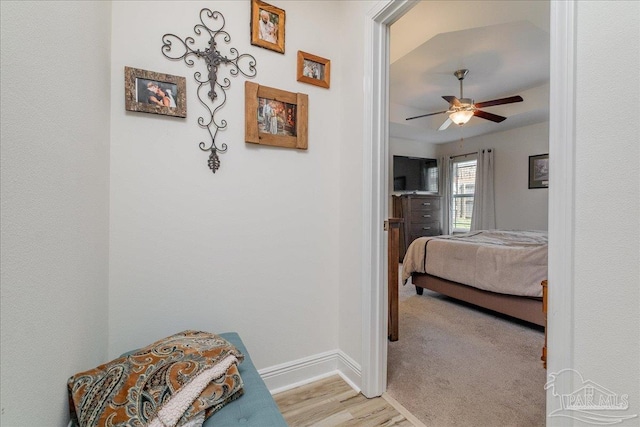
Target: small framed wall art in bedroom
(539,171)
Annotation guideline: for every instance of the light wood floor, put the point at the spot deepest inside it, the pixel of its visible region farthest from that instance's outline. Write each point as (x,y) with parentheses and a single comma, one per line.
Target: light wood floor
(332,402)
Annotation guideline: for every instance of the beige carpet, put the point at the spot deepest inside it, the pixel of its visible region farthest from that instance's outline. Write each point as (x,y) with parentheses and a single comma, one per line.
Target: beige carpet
(454,365)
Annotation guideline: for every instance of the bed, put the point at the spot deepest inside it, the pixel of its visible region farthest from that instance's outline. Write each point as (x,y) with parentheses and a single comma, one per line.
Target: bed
(500,270)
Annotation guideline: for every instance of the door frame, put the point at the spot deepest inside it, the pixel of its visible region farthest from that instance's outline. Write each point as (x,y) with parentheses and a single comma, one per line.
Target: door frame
(375,200)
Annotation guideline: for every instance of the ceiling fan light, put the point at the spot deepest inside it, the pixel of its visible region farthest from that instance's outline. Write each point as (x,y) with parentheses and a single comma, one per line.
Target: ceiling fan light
(461,117)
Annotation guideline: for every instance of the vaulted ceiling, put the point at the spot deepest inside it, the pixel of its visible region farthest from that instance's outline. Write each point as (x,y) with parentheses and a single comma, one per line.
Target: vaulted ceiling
(503,44)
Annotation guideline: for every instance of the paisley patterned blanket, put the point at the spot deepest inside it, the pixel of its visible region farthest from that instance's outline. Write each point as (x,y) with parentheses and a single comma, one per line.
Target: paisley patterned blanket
(178,381)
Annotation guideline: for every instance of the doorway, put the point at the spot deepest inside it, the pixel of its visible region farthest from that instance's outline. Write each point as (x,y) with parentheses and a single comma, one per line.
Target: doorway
(561,150)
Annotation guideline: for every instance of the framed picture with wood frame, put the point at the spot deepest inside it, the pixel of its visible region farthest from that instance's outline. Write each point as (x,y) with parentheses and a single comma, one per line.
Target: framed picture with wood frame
(275,117)
(314,69)
(267,26)
(157,93)
(539,171)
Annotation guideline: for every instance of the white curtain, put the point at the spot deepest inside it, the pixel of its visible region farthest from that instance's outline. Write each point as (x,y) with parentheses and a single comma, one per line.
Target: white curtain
(484,204)
(444,179)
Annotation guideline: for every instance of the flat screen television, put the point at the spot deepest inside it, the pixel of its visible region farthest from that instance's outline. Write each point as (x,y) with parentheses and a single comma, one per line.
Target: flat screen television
(415,174)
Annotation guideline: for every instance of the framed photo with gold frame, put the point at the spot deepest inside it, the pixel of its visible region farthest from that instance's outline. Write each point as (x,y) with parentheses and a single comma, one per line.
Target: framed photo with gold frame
(267,26)
(314,69)
(156,93)
(275,117)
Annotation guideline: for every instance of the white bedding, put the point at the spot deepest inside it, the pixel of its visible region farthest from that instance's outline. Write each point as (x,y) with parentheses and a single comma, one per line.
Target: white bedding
(507,262)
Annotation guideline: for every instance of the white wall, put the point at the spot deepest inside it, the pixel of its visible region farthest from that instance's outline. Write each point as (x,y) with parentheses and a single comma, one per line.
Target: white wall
(350,165)
(55,195)
(607,199)
(253,248)
(175,227)
(517,206)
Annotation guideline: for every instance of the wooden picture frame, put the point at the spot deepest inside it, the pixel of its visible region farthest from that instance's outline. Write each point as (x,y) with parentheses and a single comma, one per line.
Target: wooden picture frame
(267,26)
(156,93)
(314,69)
(275,117)
(539,171)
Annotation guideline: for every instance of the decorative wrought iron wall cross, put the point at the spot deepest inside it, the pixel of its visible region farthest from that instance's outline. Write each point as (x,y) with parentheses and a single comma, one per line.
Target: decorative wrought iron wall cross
(244,64)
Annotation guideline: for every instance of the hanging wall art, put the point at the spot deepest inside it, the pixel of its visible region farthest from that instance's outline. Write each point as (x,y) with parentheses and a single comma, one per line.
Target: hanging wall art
(275,117)
(314,69)
(539,171)
(211,88)
(157,93)
(267,26)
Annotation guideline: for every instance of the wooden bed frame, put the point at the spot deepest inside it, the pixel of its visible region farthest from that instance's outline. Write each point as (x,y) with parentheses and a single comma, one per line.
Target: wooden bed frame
(529,309)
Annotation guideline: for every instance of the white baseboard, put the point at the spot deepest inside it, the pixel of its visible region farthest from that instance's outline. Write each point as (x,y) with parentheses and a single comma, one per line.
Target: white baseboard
(350,371)
(299,372)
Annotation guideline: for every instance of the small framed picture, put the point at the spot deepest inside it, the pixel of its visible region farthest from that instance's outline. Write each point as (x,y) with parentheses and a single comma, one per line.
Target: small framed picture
(267,26)
(314,69)
(157,93)
(275,117)
(539,171)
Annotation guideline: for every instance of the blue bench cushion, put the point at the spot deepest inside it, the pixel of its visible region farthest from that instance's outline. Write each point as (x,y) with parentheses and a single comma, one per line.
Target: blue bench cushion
(256,408)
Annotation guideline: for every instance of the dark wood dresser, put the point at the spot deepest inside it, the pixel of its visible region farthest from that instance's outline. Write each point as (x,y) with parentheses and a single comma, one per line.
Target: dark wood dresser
(422,215)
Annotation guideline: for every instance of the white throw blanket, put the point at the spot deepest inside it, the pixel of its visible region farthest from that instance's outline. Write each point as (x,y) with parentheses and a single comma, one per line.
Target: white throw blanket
(174,409)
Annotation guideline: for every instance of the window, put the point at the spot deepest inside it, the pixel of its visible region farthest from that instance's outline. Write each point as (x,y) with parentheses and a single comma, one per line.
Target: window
(463,183)
(432,179)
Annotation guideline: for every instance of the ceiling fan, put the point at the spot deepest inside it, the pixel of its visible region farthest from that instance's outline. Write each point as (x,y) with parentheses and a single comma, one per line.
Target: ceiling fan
(462,109)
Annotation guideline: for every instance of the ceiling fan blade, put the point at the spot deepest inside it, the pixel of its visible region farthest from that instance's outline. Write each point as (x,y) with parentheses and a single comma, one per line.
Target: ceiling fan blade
(500,101)
(452,100)
(425,115)
(489,116)
(445,124)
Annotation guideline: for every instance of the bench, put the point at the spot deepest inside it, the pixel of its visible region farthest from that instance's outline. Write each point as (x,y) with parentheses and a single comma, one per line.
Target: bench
(256,408)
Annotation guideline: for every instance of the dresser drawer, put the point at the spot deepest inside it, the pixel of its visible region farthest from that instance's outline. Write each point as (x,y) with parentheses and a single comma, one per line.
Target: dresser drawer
(419,217)
(422,215)
(430,228)
(430,204)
